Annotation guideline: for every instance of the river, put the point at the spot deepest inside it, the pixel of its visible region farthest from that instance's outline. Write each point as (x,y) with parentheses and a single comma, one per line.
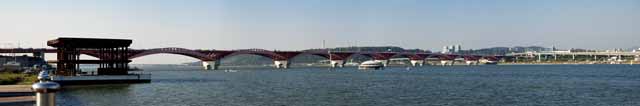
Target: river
(488,85)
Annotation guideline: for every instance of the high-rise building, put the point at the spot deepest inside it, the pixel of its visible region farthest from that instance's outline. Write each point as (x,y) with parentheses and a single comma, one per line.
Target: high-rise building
(452,48)
(445,49)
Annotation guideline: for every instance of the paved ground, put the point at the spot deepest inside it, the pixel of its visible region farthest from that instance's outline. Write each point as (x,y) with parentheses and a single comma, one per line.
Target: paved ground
(16,95)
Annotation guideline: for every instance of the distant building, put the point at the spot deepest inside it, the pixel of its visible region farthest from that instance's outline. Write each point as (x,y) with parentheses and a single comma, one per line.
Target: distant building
(451,49)
(445,49)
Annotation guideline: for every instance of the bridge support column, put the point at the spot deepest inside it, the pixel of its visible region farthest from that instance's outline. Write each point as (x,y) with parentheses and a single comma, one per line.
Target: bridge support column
(417,63)
(281,64)
(472,62)
(337,63)
(539,57)
(210,65)
(446,62)
(385,63)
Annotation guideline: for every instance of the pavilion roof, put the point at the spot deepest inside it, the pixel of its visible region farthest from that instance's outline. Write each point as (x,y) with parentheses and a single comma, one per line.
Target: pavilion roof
(89,43)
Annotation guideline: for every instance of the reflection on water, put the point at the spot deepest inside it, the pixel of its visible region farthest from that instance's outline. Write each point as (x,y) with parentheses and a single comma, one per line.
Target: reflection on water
(559,85)
(85,95)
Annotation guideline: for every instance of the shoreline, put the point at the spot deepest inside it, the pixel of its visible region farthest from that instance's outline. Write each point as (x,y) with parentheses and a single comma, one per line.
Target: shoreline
(16,95)
(565,63)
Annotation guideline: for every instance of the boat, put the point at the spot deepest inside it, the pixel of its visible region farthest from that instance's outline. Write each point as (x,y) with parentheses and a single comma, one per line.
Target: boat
(371,65)
(491,63)
(12,66)
(488,62)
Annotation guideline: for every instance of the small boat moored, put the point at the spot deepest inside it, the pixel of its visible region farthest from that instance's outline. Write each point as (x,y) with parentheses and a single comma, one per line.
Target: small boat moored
(488,62)
(371,65)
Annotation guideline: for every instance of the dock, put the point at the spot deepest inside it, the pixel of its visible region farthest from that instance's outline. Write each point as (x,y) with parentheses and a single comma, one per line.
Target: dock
(102,79)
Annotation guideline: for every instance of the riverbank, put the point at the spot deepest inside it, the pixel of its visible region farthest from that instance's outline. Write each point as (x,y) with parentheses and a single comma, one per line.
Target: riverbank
(16,95)
(555,63)
(8,78)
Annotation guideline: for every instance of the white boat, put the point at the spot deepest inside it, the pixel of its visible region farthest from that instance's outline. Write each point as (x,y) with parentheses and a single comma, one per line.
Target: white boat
(371,65)
(491,62)
(11,66)
(488,62)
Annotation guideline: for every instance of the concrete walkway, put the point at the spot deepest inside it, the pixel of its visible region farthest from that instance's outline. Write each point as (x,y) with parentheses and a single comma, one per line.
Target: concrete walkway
(16,95)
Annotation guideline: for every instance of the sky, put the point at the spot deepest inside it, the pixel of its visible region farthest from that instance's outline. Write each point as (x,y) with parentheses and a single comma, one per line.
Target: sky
(304,24)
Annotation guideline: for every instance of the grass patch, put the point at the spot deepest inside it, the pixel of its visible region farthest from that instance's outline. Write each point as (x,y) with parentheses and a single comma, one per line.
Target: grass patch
(7,78)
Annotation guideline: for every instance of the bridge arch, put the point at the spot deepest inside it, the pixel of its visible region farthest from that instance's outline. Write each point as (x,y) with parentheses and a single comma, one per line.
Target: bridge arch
(314,56)
(443,56)
(371,56)
(260,52)
(315,53)
(492,58)
(413,56)
(179,51)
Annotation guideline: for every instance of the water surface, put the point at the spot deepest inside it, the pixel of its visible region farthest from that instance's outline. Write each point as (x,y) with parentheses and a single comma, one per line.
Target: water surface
(524,85)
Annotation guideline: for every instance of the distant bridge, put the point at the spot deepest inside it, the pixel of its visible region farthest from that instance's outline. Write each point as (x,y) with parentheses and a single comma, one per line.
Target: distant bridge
(211,58)
(595,56)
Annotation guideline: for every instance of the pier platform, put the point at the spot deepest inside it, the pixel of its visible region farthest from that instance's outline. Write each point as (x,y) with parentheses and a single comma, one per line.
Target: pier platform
(102,79)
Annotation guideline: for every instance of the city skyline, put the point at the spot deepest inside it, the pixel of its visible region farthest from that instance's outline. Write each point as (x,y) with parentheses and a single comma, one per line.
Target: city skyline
(298,25)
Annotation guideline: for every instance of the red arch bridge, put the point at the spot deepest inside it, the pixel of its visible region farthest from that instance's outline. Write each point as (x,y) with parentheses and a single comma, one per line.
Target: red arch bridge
(211,58)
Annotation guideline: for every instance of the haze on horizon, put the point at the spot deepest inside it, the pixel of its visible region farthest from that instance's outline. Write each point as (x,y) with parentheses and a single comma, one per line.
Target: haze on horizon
(303,24)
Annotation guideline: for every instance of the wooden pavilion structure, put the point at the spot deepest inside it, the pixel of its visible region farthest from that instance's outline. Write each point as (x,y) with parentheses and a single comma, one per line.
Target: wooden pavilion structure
(112,54)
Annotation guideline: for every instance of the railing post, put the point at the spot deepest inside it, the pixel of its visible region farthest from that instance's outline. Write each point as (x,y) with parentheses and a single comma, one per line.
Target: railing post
(45,90)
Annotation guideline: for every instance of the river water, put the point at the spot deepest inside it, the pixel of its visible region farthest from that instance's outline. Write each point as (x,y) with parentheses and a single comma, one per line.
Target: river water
(489,85)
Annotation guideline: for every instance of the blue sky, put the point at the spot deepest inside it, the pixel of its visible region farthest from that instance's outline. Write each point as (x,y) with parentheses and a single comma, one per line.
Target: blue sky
(302,24)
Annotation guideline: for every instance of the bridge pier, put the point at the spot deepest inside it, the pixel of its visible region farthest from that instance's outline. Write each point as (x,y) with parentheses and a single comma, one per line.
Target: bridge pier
(446,62)
(337,63)
(210,65)
(385,63)
(284,64)
(417,63)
